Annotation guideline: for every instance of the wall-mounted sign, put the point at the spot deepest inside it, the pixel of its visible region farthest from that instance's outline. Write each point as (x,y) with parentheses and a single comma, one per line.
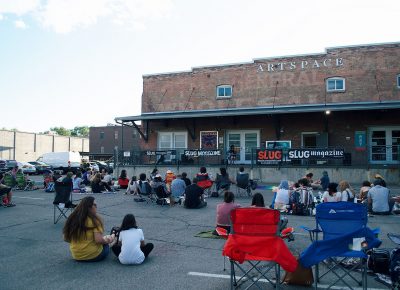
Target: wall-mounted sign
(316,153)
(360,140)
(127,154)
(279,144)
(300,65)
(198,153)
(265,156)
(209,139)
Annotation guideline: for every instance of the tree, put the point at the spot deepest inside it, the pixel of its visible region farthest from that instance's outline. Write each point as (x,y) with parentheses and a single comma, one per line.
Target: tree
(61,131)
(82,131)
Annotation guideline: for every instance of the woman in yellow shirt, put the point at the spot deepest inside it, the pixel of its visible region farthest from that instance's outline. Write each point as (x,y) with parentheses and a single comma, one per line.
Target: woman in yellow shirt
(84,231)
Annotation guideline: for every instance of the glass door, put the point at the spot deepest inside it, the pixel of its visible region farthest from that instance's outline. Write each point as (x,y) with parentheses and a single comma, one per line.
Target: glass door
(384,145)
(242,142)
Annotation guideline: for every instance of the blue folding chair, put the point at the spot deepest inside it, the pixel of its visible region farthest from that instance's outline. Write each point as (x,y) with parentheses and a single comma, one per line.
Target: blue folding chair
(340,223)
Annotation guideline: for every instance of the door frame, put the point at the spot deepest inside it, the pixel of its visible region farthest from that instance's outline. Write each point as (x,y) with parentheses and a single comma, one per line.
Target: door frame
(241,158)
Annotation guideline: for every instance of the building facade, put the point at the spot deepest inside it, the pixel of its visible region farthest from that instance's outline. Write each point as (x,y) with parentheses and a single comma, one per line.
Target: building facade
(347,97)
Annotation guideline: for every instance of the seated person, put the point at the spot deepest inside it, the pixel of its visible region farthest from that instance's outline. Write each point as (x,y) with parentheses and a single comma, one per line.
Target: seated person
(378,198)
(97,185)
(223,181)
(108,180)
(194,196)
(143,186)
(282,196)
(185,179)
(86,176)
(363,195)
(123,180)
(257,200)
(203,179)
(132,186)
(224,210)
(332,195)
(169,177)
(178,187)
(77,184)
(5,193)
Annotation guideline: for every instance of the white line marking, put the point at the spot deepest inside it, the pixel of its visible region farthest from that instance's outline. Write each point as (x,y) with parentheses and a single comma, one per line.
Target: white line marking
(27,197)
(322,286)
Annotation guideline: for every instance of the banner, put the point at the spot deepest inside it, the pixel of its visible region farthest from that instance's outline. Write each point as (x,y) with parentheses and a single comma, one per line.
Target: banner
(198,153)
(160,152)
(265,156)
(360,141)
(209,139)
(316,153)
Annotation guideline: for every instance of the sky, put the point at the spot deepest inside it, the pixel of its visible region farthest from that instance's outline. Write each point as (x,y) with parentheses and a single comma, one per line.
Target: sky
(80,62)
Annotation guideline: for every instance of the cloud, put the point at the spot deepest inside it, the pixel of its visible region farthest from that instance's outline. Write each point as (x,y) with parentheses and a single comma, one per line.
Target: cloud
(1,17)
(64,16)
(18,7)
(20,24)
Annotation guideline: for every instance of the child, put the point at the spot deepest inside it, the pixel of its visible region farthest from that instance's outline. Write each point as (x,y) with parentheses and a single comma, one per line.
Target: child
(132,186)
(131,248)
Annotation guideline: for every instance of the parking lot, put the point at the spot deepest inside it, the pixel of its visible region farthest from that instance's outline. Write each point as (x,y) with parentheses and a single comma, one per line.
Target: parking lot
(34,255)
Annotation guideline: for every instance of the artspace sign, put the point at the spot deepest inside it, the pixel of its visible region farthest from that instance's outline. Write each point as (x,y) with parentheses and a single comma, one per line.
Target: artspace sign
(300,65)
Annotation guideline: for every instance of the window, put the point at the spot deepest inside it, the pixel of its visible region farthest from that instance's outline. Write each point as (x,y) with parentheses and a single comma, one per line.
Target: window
(335,85)
(101,135)
(384,145)
(172,140)
(398,81)
(116,135)
(224,91)
(102,149)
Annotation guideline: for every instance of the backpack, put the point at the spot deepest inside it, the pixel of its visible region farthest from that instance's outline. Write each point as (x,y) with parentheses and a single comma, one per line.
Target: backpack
(349,198)
(50,187)
(253,184)
(394,268)
(144,188)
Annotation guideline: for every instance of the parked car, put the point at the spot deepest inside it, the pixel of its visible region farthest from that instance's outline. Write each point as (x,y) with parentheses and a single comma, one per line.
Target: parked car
(93,166)
(40,166)
(102,165)
(7,165)
(27,168)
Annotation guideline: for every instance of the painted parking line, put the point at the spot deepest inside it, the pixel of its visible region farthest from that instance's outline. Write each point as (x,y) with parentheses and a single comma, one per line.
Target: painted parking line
(320,286)
(27,197)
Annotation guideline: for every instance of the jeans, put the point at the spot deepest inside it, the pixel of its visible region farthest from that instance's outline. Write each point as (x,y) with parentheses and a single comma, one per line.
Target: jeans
(101,256)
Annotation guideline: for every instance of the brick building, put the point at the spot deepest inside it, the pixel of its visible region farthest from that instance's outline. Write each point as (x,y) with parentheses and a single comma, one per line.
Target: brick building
(105,139)
(347,97)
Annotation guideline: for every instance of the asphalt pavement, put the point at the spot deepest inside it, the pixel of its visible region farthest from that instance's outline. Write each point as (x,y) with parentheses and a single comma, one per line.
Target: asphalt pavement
(33,254)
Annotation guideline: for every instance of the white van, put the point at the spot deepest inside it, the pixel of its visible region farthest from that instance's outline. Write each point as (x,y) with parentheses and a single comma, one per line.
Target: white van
(66,161)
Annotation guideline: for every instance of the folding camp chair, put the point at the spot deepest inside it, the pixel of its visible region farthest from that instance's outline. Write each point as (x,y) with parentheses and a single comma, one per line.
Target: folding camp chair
(254,239)
(244,184)
(62,200)
(345,235)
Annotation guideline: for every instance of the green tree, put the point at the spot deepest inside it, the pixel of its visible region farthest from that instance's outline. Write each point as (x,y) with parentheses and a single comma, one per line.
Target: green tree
(82,131)
(61,131)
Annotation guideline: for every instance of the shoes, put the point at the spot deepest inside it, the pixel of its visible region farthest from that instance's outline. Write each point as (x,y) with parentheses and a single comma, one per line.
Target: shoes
(10,204)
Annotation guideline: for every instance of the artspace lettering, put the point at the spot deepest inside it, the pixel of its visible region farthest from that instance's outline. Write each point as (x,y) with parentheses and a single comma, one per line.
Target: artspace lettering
(300,65)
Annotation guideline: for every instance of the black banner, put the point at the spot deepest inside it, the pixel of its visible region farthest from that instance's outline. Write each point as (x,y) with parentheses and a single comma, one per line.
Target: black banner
(198,153)
(160,152)
(315,153)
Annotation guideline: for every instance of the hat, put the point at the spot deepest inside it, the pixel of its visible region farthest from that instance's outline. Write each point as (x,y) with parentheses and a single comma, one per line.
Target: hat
(378,176)
(332,187)
(169,171)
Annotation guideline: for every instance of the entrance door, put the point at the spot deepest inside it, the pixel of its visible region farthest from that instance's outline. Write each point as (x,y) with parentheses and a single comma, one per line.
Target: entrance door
(384,145)
(243,142)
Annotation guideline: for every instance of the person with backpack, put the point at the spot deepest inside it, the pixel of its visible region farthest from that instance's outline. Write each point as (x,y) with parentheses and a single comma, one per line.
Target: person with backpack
(144,187)
(347,193)
(131,248)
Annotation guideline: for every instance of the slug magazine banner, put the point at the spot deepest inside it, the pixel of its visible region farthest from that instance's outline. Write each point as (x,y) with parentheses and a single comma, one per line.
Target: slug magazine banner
(316,153)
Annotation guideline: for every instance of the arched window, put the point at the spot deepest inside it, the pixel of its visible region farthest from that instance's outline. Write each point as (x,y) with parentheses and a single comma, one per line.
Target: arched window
(224,91)
(335,84)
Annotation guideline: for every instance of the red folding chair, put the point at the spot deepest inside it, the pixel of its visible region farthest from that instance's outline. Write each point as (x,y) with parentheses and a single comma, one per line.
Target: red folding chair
(255,247)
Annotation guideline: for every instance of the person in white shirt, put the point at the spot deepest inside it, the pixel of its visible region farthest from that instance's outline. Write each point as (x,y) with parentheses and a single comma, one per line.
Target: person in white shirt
(131,248)
(77,182)
(282,196)
(346,191)
(132,186)
(332,195)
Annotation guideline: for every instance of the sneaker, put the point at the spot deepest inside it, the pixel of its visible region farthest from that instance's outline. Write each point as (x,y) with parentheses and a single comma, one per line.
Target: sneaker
(10,204)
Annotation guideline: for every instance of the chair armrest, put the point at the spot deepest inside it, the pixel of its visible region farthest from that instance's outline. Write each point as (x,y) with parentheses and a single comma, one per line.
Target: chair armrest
(312,232)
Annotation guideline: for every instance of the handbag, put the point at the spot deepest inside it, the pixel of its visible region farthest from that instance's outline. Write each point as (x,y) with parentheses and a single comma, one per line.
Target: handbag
(379,261)
(302,276)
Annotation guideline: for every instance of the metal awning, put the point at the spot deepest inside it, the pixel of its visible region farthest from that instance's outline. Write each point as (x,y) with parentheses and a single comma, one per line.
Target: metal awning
(286,109)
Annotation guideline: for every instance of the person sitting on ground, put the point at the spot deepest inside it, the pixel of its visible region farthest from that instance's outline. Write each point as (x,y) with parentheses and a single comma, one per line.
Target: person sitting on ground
(84,231)
(123,180)
(177,189)
(131,248)
(322,183)
(132,186)
(378,198)
(224,210)
(363,195)
(157,182)
(185,179)
(223,181)
(282,196)
(257,200)
(97,185)
(86,176)
(332,195)
(194,196)
(153,174)
(144,187)
(347,193)
(78,185)
(108,180)
(309,179)
(47,178)
(5,193)
(169,177)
